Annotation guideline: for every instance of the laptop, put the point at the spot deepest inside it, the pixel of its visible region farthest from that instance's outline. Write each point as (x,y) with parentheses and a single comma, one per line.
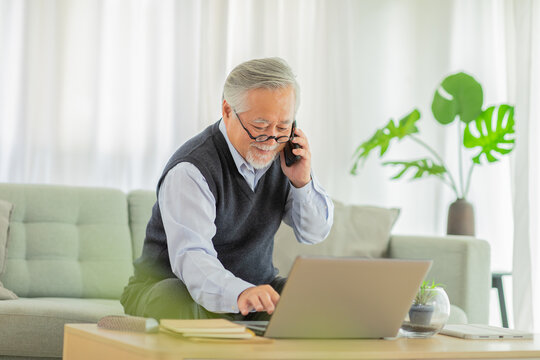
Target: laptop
(344,298)
(480,331)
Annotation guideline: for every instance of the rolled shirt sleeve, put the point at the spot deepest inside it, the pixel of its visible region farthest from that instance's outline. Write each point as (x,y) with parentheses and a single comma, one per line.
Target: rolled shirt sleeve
(188,212)
(310,212)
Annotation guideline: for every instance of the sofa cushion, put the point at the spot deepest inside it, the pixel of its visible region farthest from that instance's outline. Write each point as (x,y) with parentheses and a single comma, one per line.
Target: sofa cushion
(67,241)
(362,231)
(5,215)
(35,326)
(140,204)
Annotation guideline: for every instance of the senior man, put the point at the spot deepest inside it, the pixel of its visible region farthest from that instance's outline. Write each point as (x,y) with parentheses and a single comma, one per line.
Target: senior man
(221,198)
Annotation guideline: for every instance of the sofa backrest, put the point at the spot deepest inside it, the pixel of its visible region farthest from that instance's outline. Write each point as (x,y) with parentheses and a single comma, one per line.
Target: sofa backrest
(67,241)
(81,242)
(140,209)
(357,230)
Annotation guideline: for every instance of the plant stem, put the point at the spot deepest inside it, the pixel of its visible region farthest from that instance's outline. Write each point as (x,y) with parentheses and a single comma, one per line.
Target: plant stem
(445,180)
(468,181)
(434,153)
(460,156)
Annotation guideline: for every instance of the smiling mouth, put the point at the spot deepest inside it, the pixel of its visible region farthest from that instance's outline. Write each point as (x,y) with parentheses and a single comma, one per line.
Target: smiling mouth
(265,149)
(262,155)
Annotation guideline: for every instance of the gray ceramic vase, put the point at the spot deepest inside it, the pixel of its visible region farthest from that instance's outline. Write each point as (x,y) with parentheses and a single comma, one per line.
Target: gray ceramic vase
(460,218)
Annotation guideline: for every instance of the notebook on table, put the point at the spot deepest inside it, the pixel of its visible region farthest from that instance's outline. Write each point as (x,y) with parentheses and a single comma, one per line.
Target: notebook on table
(479,332)
(329,297)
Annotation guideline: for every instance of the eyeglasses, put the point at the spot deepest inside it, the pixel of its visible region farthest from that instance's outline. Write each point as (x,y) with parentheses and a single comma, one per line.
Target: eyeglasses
(263,138)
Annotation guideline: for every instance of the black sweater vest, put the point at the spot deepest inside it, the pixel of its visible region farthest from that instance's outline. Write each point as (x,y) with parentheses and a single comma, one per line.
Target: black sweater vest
(246,221)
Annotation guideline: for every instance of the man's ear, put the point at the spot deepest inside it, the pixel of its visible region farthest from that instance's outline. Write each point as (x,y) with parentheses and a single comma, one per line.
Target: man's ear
(226,110)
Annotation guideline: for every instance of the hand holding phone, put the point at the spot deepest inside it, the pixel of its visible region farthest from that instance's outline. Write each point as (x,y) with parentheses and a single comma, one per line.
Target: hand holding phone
(290,158)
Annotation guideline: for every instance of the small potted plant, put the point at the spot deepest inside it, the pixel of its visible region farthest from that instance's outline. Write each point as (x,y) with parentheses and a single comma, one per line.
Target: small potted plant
(421,309)
(429,312)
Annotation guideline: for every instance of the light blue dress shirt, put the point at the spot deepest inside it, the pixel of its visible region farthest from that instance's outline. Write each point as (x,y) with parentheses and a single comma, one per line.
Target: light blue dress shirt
(188,211)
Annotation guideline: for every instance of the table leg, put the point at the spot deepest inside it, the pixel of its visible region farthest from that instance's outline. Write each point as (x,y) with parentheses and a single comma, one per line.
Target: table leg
(497,283)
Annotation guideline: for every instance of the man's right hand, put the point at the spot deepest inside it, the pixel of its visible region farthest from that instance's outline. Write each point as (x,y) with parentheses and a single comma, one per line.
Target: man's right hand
(258,298)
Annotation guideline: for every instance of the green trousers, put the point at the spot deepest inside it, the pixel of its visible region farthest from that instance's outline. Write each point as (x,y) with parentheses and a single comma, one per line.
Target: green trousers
(170,299)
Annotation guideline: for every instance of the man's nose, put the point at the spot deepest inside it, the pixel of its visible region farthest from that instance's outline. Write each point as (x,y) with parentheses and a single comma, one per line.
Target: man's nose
(273,132)
(271,140)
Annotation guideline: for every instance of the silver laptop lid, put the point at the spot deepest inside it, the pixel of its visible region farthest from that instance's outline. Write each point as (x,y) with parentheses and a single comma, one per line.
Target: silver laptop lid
(327,297)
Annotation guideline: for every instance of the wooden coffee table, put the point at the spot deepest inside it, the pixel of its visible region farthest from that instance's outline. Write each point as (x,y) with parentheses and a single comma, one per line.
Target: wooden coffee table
(87,341)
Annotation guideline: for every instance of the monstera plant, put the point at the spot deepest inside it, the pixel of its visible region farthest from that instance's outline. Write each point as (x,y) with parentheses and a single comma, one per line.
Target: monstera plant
(487,131)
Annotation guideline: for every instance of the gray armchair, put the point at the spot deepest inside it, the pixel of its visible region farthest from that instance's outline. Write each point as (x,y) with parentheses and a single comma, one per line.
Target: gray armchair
(460,263)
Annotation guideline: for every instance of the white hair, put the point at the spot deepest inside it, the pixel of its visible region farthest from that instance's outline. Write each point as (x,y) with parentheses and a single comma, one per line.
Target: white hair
(268,73)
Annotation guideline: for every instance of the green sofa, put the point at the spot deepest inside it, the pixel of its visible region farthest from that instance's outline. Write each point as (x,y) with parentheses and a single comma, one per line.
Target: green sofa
(70,254)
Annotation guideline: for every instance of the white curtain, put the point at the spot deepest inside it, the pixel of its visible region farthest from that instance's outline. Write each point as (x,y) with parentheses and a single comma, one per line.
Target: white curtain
(525,84)
(101,93)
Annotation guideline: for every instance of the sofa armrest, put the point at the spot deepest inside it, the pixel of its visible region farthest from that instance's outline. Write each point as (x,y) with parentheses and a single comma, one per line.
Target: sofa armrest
(460,263)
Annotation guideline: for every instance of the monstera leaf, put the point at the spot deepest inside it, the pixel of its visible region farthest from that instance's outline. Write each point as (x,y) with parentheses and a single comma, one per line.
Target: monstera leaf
(492,134)
(423,167)
(459,94)
(382,137)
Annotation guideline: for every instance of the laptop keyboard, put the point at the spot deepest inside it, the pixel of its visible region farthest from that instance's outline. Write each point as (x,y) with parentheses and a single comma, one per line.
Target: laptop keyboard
(258,327)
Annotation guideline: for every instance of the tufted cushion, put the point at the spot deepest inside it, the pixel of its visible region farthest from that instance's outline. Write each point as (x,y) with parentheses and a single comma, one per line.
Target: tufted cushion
(5,216)
(67,241)
(140,209)
(362,231)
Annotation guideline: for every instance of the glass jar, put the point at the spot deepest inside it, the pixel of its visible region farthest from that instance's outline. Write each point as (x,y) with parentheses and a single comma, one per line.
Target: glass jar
(425,320)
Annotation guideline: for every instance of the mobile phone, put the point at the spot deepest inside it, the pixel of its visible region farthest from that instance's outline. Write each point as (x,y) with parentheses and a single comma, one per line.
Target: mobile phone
(290,158)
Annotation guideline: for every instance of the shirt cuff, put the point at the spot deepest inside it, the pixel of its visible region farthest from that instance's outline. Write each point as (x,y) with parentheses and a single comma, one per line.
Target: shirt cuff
(231,293)
(305,193)
(308,192)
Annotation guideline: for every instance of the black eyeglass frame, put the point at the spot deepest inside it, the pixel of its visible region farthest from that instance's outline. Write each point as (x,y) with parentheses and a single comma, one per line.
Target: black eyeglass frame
(263,138)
